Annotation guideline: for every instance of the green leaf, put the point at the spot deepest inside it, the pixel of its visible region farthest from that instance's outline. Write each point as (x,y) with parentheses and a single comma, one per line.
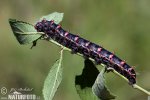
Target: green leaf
(57,17)
(85,81)
(86,93)
(24,32)
(99,88)
(53,80)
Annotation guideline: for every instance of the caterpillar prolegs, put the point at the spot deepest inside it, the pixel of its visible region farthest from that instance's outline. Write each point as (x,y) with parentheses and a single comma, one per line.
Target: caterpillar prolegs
(86,48)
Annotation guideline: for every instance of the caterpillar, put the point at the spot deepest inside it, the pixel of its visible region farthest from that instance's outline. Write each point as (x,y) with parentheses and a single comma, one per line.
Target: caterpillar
(86,48)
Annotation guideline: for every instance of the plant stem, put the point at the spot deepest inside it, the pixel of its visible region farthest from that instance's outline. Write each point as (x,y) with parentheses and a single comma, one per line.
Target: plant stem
(141,89)
(135,86)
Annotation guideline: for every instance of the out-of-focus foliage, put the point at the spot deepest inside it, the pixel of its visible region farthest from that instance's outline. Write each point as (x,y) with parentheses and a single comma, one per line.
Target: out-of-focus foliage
(118,25)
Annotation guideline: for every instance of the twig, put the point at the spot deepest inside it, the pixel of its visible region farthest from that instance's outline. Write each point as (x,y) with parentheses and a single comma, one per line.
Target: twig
(135,86)
(141,89)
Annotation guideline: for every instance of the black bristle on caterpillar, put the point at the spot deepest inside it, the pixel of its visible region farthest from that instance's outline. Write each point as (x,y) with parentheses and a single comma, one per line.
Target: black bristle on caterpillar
(86,48)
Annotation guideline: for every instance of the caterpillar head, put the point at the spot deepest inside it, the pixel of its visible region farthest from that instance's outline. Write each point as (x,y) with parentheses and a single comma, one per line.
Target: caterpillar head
(44,26)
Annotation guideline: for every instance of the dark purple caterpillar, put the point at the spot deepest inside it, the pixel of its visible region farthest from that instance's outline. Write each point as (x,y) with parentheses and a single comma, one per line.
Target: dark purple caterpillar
(85,47)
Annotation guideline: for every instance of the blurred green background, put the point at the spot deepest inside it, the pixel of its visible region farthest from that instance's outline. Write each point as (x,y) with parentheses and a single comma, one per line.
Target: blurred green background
(122,26)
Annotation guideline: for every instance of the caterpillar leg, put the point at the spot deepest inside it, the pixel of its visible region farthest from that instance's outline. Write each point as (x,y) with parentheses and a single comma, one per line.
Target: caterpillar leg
(74,51)
(109,69)
(74,48)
